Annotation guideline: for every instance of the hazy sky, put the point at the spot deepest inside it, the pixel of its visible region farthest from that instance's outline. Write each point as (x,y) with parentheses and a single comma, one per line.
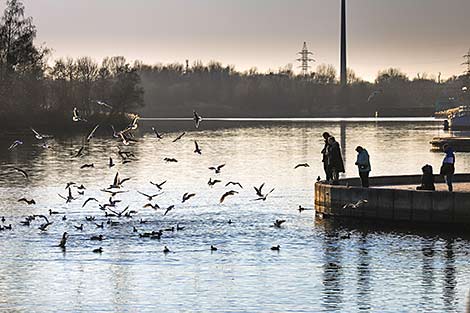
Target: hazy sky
(413,35)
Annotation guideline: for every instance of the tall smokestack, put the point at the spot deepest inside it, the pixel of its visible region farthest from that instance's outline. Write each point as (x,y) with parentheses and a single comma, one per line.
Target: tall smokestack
(343,43)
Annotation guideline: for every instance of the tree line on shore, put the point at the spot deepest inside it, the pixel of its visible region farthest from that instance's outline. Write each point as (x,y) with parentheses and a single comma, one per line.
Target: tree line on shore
(34,88)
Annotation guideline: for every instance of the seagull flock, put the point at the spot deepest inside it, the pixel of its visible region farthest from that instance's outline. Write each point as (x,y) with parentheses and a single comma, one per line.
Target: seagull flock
(110,208)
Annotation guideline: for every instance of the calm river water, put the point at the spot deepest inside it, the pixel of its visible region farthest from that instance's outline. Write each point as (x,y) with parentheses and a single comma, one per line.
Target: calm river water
(317,268)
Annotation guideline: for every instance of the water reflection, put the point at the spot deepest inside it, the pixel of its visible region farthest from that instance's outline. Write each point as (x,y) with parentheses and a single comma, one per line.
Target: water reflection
(318,268)
(332,272)
(363,274)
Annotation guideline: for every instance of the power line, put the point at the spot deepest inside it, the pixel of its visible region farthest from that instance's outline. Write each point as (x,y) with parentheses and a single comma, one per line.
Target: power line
(467,62)
(305,59)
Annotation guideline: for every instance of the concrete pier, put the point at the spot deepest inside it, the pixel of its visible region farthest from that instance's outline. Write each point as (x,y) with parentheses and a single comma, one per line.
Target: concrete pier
(394,198)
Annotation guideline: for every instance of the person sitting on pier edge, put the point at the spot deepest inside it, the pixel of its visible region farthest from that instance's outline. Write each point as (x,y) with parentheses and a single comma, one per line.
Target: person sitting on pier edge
(448,165)
(363,164)
(324,153)
(335,160)
(427,180)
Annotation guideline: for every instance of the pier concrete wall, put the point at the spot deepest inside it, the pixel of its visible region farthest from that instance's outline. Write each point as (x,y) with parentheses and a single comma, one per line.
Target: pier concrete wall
(387,203)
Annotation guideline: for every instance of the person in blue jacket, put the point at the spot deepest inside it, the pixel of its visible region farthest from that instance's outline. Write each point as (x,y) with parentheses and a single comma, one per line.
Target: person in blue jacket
(448,168)
(363,164)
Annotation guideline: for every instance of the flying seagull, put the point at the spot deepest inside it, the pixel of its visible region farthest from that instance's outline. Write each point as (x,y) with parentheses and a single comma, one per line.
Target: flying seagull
(103,104)
(187,196)
(149,197)
(29,202)
(159,186)
(90,135)
(197,119)
(179,137)
(168,209)
(40,136)
(213,182)
(23,172)
(234,183)
(217,169)
(197,149)
(356,205)
(228,193)
(15,144)
(170,160)
(76,117)
(301,165)
(159,136)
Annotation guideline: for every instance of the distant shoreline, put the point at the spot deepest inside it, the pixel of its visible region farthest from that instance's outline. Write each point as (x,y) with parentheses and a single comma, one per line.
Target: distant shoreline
(299,119)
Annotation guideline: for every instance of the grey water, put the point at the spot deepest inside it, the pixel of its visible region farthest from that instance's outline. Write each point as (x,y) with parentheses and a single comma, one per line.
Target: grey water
(317,268)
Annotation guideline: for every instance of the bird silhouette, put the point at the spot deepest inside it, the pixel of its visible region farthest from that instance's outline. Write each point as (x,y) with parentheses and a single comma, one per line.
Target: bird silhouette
(159,136)
(168,209)
(149,197)
(217,169)
(98,250)
(22,172)
(225,195)
(197,149)
(234,183)
(278,223)
(187,196)
(301,165)
(63,241)
(213,182)
(179,137)
(197,119)
(153,206)
(92,133)
(88,200)
(29,202)
(159,186)
(276,248)
(355,205)
(76,117)
(15,144)
(97,238)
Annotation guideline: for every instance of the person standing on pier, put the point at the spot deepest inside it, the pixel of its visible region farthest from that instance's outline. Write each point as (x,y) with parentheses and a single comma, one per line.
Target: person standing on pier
(324,153)
(448,168)
(363,164)
(335,160)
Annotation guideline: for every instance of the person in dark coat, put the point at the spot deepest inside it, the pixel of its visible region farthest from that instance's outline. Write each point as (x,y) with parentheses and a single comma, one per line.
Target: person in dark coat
(427,180)
(324,153)
(335,160)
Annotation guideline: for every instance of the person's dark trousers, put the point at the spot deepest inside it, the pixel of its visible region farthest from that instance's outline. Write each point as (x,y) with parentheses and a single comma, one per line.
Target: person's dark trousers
(364,179)
(327,171)
(449,179)
(334,176)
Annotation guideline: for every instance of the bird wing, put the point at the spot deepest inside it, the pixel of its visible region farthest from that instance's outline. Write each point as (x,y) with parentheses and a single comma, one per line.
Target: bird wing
(220,166)
(92,132)
(35,132)
(21,171)
(144,194)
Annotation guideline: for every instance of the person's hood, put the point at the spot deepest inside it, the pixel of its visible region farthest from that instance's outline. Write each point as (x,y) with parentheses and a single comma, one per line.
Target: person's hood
(449,151)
